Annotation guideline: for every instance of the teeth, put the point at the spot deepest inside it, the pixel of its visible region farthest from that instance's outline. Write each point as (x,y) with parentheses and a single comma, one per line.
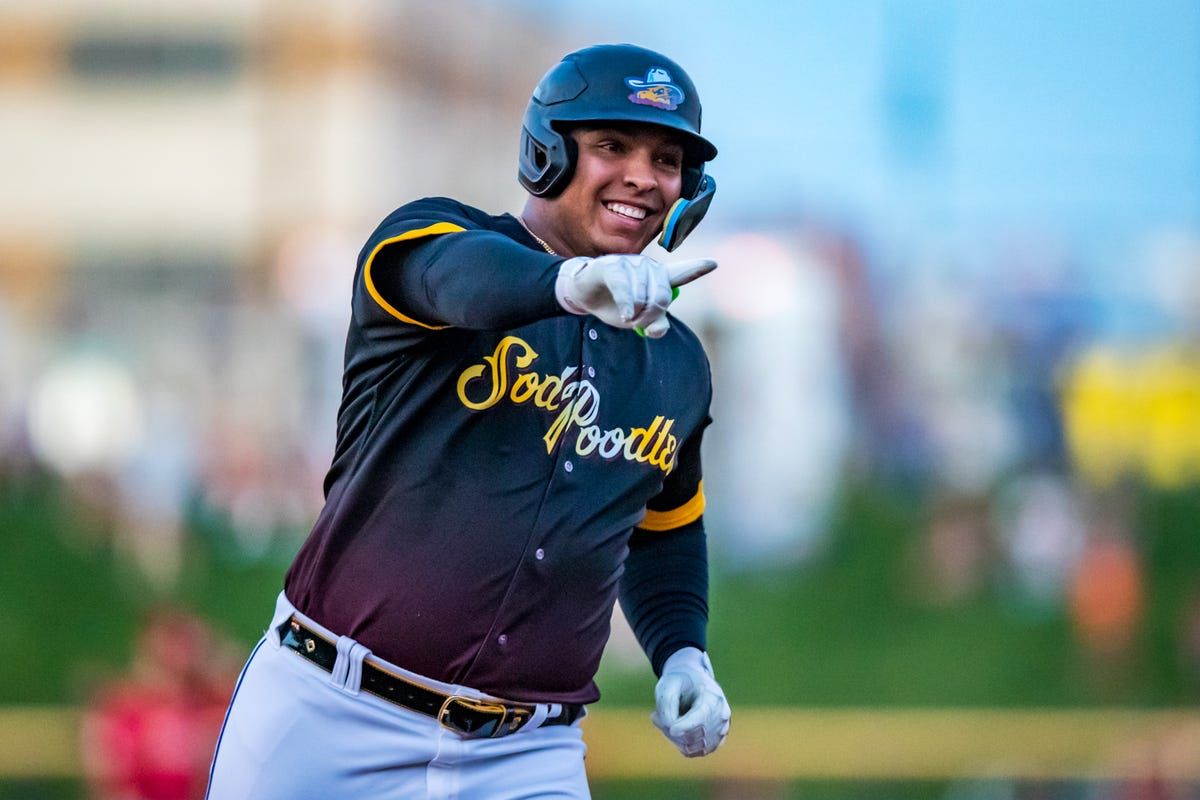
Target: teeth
(627,211)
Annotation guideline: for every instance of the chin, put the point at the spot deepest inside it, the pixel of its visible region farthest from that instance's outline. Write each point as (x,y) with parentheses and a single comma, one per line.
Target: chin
(621,244)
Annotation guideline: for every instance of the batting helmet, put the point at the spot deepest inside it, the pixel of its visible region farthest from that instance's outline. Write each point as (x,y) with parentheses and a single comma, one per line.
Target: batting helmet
(616,83)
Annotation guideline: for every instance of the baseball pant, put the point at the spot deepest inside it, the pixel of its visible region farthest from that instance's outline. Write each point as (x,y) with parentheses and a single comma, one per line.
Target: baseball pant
(296,731)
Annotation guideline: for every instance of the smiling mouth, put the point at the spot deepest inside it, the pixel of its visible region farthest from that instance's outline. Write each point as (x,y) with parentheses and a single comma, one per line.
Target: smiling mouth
(629,212)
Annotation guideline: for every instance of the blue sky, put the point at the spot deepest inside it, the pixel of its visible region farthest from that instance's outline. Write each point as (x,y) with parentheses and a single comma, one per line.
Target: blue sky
(937,114)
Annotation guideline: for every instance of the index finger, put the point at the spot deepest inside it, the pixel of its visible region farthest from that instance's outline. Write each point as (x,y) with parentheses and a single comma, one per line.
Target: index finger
(696,717)
(685,272)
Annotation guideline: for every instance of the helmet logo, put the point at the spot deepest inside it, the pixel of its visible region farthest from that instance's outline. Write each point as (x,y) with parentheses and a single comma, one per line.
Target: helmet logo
(656,90)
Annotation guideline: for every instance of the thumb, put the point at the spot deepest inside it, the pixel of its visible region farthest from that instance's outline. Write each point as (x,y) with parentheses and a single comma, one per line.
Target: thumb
(658,328)
(667,700)
(684,272)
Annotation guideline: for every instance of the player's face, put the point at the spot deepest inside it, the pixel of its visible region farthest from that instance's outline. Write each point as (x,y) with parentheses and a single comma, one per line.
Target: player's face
(626,180)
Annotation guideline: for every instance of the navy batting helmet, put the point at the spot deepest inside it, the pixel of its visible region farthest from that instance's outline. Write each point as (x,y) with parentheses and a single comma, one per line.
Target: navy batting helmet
(616,83)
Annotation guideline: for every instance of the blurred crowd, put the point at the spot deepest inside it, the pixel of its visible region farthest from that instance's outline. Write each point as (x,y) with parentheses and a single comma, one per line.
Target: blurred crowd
(1018,402)
(149,734)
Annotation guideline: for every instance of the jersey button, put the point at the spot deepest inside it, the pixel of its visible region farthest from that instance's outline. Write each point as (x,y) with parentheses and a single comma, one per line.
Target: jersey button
(502,639)
(539,554)
(568,466)
(592,334)
(591,372)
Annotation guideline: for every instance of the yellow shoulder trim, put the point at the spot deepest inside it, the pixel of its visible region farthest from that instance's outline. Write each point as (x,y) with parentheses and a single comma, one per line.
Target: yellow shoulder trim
(436,229)
(675,518)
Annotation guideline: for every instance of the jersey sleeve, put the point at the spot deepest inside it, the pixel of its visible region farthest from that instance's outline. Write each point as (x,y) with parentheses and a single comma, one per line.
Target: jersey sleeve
(435,264)
(681,501)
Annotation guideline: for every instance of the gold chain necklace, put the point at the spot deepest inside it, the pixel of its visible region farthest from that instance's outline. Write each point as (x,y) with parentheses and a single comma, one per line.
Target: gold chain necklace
(540,240)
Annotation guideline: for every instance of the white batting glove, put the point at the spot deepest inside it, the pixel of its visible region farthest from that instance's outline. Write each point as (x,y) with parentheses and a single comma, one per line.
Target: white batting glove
(691,708)
(625,291)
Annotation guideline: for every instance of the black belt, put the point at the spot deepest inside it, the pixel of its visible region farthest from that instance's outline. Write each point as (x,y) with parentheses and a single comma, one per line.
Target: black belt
(475,719)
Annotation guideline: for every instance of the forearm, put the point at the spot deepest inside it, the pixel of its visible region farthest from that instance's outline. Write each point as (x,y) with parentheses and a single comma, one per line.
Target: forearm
(664,590)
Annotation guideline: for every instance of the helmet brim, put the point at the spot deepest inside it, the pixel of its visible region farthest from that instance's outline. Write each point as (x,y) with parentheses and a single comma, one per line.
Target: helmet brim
(698,149)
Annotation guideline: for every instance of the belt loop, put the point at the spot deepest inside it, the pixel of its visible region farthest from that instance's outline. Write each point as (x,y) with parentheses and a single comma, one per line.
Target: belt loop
(273,637)
(541,712)
(347,670)
(283,612)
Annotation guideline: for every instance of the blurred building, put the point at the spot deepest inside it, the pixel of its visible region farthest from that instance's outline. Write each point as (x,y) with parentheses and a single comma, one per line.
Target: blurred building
(189,184)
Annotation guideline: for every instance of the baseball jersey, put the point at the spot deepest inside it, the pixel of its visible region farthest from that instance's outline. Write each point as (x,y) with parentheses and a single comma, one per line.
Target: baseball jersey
(494,454)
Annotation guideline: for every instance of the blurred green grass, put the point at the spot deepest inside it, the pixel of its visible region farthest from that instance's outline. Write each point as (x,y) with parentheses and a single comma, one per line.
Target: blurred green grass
(75,605)
(854,628)
(800,790)
(851,628)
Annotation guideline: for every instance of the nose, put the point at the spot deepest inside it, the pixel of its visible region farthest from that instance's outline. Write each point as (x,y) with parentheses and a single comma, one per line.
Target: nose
(639,171)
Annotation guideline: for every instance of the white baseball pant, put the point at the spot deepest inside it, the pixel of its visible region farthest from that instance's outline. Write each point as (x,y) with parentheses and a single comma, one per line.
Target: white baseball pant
(296,731)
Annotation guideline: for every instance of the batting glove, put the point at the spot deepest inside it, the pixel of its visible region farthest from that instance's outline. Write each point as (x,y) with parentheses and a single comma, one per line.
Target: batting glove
(691,708)
(625,291)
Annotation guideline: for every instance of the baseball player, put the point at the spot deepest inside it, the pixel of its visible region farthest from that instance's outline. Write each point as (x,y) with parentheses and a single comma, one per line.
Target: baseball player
(518,445)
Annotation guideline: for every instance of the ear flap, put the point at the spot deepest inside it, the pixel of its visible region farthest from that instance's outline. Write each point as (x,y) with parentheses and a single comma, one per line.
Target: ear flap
(685,215)
(547,161)
(535,154)
(692,177)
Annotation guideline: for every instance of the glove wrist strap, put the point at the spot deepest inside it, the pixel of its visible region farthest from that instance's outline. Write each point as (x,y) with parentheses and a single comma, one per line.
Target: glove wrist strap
(686,659)
(563,284)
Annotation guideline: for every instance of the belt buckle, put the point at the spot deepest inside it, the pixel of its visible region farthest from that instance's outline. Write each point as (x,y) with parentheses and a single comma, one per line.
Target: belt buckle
(504,719)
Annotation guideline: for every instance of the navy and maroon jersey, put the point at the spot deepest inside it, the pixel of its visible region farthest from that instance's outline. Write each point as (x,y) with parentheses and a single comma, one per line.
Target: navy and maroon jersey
(494,455)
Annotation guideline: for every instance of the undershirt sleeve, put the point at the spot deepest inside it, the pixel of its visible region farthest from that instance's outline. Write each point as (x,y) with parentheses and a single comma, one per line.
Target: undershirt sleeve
(473,279)
(664,590)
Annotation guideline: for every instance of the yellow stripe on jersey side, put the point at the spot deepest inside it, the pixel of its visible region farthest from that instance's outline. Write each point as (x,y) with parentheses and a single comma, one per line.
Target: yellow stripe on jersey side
(676,517)
(436,229)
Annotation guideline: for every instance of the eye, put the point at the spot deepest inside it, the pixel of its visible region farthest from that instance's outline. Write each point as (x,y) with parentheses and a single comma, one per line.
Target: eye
(671,160)
(610,145)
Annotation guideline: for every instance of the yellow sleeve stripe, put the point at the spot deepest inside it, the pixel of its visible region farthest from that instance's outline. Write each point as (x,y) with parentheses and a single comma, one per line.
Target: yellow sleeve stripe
(667,520)
(436,229)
